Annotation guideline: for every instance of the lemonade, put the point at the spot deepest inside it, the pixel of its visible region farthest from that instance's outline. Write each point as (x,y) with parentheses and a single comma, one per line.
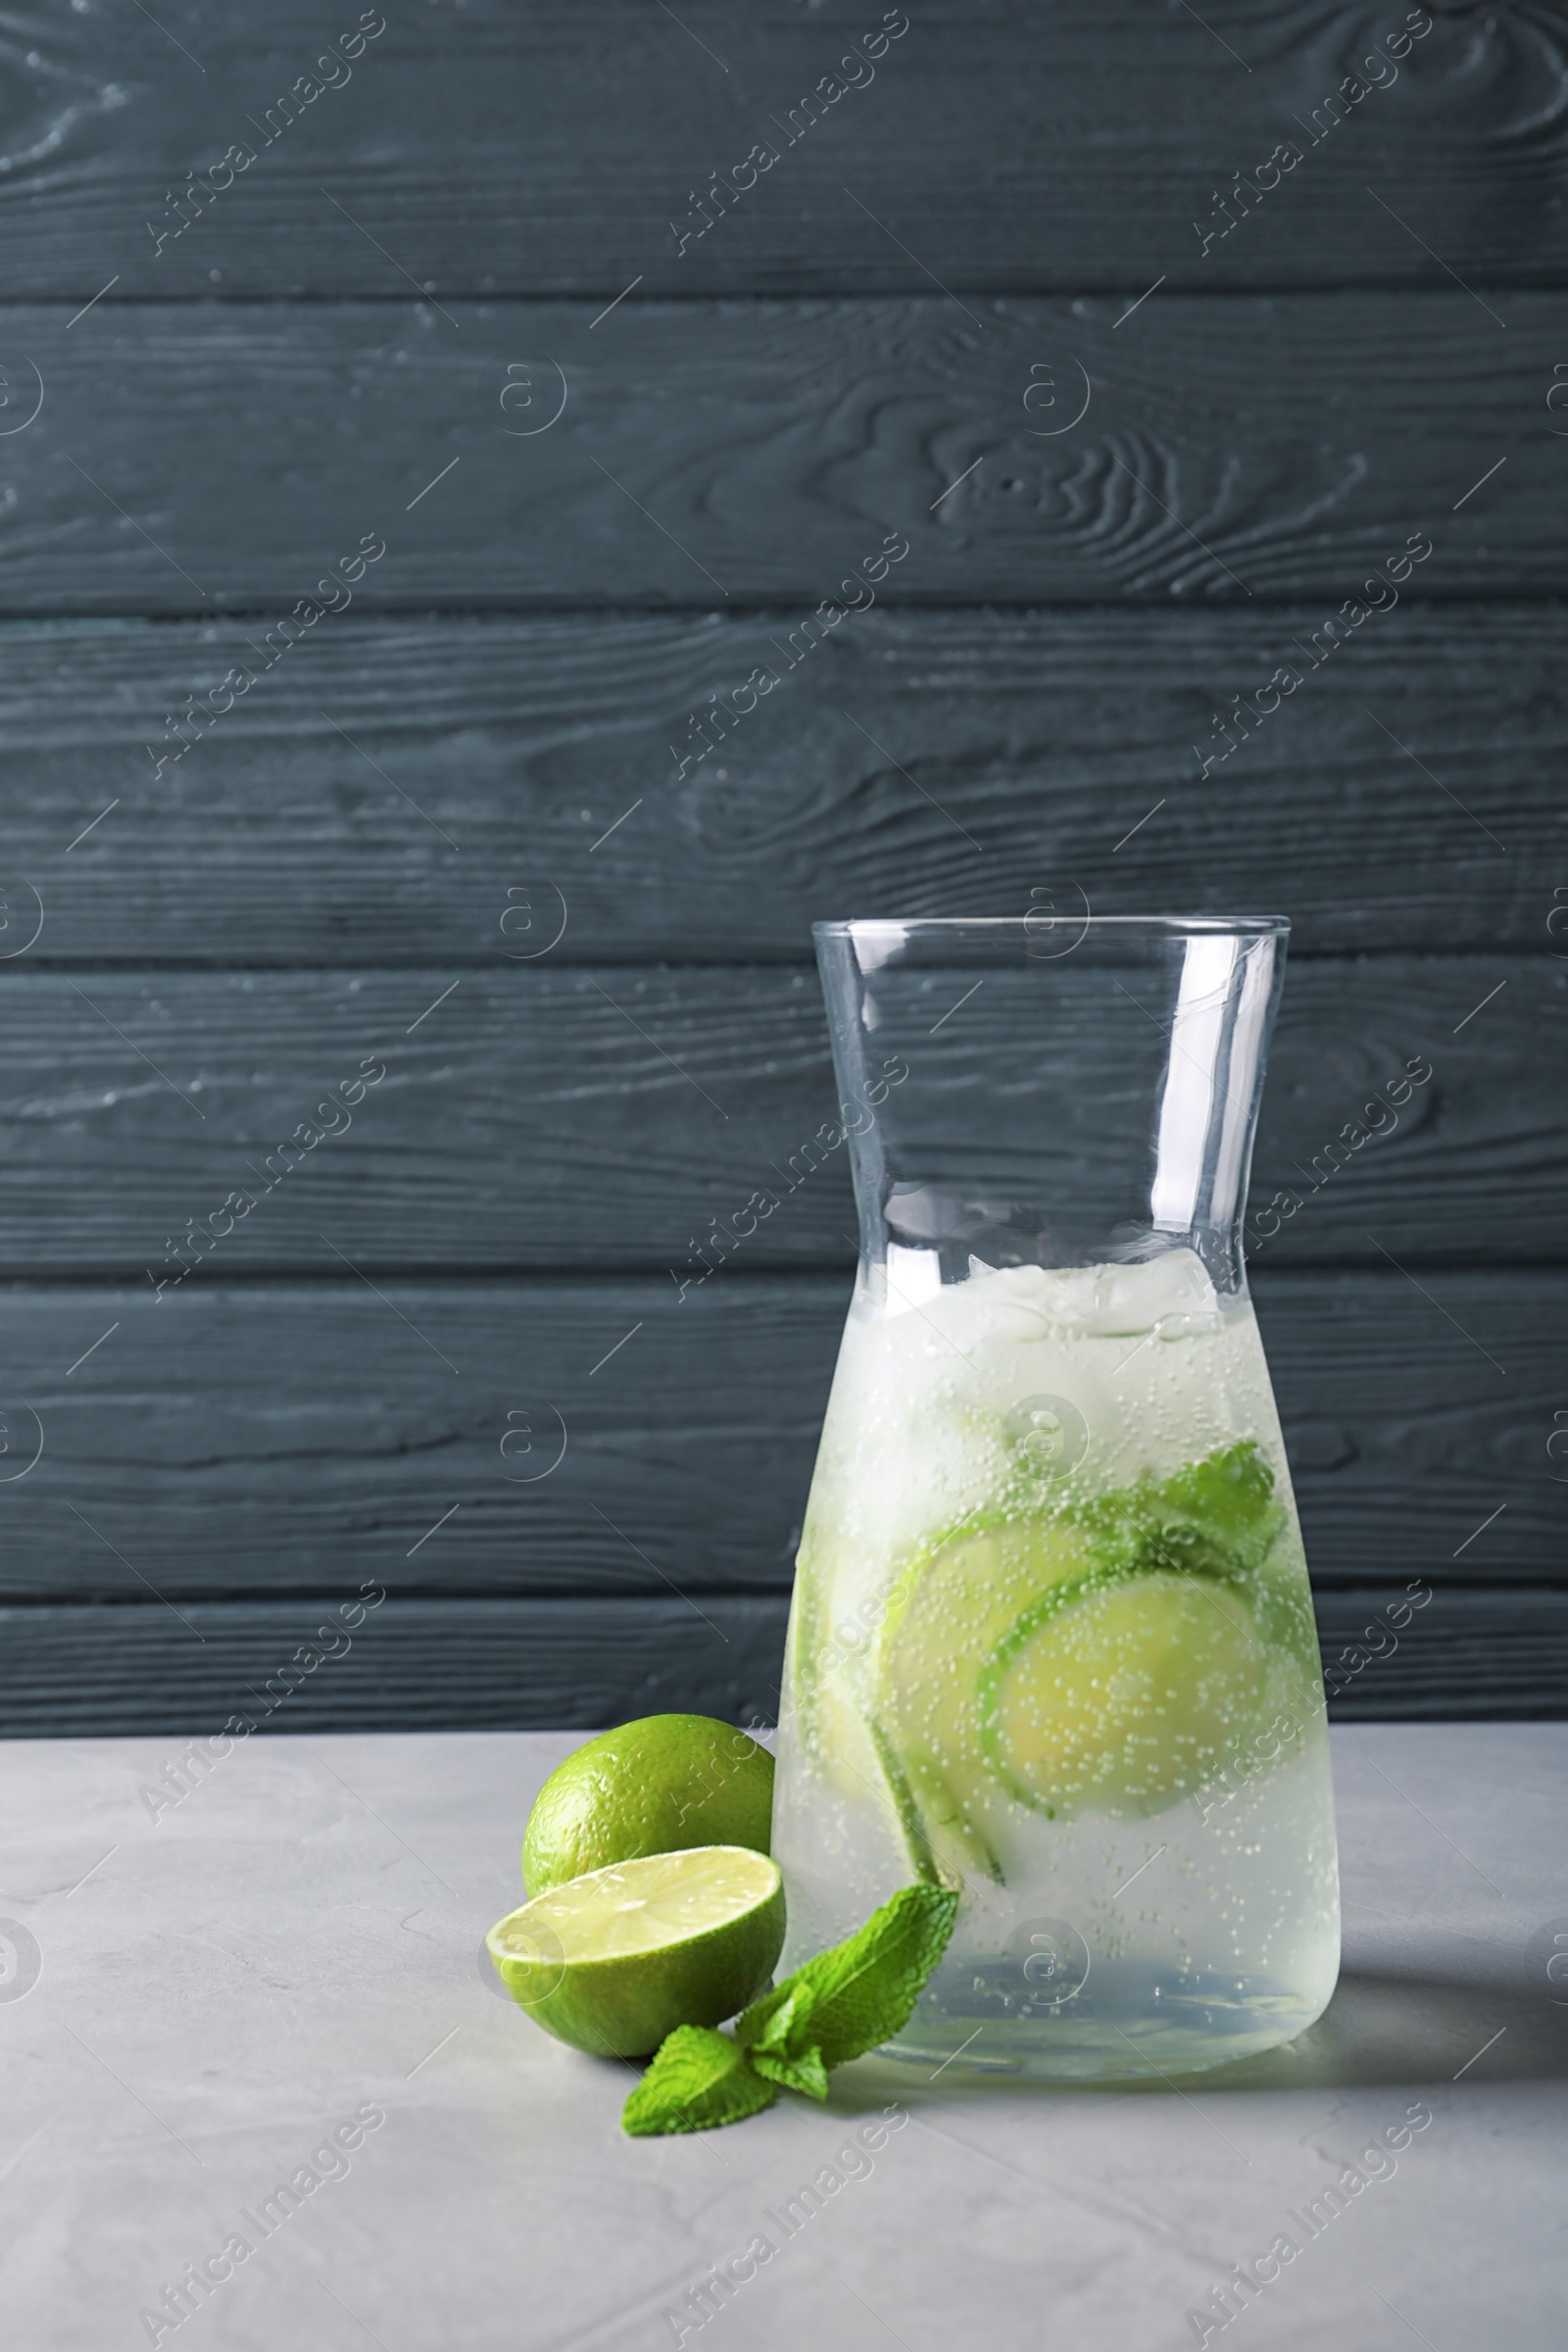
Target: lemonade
(1053,1643)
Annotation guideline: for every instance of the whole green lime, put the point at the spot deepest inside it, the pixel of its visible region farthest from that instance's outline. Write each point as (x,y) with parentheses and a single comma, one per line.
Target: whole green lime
(654,1787)
(614,1960)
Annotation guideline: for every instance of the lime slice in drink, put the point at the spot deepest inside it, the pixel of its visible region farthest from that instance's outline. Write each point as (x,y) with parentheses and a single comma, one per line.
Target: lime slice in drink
(1123,1696)
(948,1610)
(614,1961)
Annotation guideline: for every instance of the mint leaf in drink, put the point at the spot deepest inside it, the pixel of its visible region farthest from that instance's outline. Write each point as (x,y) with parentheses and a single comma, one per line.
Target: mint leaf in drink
(697,2080)
(851,1999)
(1227,1499)
(1216,1517)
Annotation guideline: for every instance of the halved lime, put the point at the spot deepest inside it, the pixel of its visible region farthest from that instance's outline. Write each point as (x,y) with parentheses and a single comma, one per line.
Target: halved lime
(1123,1696)
(614,1961)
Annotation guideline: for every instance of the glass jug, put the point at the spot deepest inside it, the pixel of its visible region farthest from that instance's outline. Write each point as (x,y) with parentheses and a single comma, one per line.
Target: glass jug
(1051,1639)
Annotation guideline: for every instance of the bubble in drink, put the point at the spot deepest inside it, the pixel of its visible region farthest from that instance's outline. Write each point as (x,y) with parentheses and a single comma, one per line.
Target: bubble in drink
(1051,1510)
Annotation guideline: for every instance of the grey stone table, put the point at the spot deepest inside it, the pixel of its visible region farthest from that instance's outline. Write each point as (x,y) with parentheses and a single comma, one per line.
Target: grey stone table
(278,1980)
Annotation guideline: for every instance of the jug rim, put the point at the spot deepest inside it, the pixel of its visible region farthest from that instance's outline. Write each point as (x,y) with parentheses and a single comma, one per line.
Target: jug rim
(1250,926)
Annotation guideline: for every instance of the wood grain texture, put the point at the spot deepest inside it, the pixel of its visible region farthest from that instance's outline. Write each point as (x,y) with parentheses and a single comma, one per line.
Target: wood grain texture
(77,1670)
(1471,1653)
(300,1439)
(550,146)
(565,1120)
(412,1665)
(376,797)
(364,861)
(197,459)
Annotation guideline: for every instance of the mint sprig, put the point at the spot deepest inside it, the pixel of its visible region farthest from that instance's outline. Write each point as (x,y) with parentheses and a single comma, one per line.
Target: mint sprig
(1216,1517)
(699,2078)
(848,2000)
(842,2003)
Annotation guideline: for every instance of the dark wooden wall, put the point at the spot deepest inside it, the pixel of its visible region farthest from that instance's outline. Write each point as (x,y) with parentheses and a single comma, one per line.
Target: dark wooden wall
(443,840)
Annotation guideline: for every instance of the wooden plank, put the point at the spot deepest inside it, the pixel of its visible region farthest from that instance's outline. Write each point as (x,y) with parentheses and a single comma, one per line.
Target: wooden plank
(532,1118)
(75,1670)
(552,147)
(301,1439)
(1000,753)
(197,459)
(409,1666)
(1471,1653)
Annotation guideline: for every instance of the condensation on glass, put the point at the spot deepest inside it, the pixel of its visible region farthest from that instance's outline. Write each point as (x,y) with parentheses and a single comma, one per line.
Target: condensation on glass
(1051,1639)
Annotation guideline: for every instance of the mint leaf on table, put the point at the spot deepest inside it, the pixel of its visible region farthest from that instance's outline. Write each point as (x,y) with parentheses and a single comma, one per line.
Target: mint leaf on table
(805,2072)
(837,2007)
(851,1999)
(698,2078)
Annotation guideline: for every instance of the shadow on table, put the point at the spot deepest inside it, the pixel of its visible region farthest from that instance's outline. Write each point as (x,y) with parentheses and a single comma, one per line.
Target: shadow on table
(1387,2028)
(1379,2027)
